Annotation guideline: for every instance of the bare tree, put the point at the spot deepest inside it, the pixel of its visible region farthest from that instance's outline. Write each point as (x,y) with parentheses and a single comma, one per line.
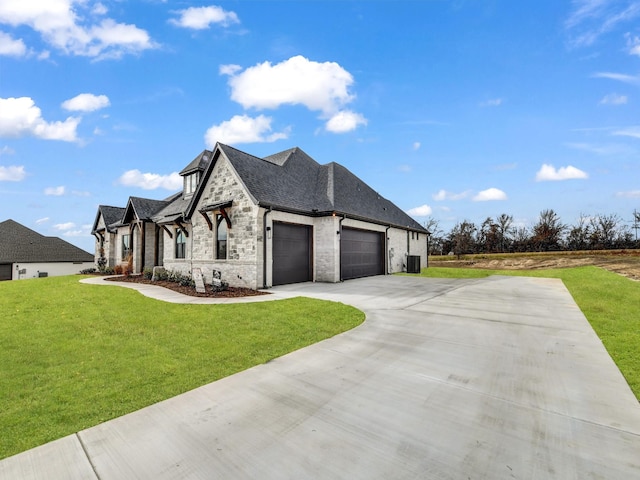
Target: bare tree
(578,236)
(488,239)
(604,231)
(505,230)
(462,237)
(436,239)
(521,239)
(547,233)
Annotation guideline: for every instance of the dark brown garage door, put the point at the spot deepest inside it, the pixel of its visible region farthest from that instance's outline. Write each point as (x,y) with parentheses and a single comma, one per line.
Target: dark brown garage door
(5,271)
(361,253)
(291,253)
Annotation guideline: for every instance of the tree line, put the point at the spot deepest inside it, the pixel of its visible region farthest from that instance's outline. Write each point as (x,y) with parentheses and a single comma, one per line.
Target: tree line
(549,233)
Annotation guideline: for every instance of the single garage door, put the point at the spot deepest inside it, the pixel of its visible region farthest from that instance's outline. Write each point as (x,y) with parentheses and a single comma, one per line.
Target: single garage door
(361,253)
(291,253)
(5,271)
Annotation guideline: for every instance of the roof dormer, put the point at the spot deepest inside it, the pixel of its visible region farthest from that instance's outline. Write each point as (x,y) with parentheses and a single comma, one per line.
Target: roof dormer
(192,173)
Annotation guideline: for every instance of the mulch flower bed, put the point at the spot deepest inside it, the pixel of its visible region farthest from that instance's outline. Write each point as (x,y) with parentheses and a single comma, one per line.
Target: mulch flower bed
(230,292)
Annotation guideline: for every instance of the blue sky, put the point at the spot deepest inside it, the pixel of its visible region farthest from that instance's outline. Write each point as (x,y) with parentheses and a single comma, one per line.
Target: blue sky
(458,110)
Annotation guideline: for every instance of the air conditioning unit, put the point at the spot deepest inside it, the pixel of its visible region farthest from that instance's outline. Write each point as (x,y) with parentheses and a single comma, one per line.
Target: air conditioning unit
(413,264)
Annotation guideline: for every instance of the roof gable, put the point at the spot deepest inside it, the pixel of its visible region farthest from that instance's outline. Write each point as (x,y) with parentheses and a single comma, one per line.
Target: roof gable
(110,216)
(142,209)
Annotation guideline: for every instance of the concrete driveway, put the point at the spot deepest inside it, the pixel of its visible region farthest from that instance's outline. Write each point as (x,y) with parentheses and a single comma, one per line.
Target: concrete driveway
(498,378)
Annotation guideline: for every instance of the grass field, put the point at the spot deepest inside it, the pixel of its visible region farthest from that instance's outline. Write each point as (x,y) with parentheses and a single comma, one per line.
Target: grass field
(75,355)
(610,302)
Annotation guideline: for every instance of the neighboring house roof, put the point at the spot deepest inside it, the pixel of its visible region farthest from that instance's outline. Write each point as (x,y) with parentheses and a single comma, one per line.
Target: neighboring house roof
(110,215)
(21,244)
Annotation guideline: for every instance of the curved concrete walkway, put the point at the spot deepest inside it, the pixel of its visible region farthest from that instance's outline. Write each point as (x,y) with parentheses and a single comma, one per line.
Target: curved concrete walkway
(498,378)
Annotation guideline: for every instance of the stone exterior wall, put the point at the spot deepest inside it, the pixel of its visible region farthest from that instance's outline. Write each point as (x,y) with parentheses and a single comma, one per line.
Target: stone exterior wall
(243,265)
(109,245)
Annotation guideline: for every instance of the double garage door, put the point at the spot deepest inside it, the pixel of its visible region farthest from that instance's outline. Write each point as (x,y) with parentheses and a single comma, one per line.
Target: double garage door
(361,253)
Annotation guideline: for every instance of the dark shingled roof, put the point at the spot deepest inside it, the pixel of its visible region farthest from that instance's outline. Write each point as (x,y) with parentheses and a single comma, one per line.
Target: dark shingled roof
(199,163)
(111,216)
(292,180)
(144,208)
(173,210)
(21,244)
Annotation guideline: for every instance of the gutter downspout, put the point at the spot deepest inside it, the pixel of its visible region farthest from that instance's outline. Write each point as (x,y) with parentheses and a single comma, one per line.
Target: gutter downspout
(264,247)
(408,250)
(340,220)
(386,250)
(428,235)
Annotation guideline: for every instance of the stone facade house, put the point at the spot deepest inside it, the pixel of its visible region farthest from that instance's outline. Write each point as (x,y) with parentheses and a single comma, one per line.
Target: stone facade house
(264,221)
(24,253)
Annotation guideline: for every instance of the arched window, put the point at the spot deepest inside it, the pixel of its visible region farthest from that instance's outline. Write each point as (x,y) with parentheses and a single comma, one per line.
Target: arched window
(221,237)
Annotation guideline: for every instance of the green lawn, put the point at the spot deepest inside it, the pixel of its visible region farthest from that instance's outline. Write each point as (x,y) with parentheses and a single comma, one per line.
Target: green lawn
(75,355)
(610,302)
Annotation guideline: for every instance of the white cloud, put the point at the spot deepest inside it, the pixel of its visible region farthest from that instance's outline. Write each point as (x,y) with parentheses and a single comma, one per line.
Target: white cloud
(405,168)
(444,195)
(86,102)
(628,132)
(630,194)
(54,191)
(11,47)
(318,86)
(620,77)
(416,146)
(633,43)
(20,117)
(80,193)
(591,19)
(614,99)
(345,121)
(230,69)
(200,18)
(76,27)
(12,173)
(6,150)
(150,181)
(611,149)
(40,221)
(64,226)
(421,211)
(76,233)
(549,173)
(494,102)
(489,195)
(243,129)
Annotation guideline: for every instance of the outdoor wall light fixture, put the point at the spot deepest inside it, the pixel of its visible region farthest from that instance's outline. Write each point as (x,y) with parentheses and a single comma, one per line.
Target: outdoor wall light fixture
(268,232)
